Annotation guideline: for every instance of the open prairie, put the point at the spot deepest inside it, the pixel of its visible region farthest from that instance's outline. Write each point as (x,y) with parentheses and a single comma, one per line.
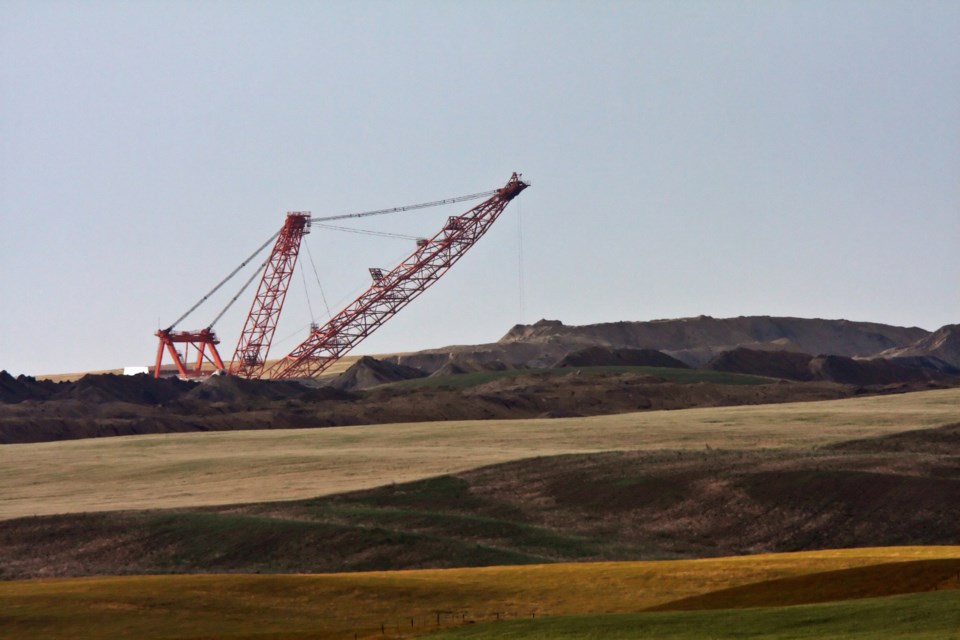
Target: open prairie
(410,603)
(176,470)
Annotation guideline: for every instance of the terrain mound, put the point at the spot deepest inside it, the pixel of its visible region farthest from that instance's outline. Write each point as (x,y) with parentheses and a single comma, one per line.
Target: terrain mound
(138,389)
(877,371)
(943,344)
(694,340)
(605,356)
(840,369)
(369,372)
(21,388)
(926,362)
(788,365)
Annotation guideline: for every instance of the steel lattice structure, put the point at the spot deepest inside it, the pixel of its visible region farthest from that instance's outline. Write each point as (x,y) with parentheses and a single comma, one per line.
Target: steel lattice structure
(254,344)
(204,342)
(394,290)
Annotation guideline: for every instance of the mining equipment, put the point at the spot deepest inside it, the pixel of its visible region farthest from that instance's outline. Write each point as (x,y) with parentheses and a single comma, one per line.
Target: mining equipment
(389,292)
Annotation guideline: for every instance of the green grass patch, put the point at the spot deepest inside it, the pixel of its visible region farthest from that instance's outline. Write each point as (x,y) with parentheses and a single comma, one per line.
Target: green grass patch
(504,534)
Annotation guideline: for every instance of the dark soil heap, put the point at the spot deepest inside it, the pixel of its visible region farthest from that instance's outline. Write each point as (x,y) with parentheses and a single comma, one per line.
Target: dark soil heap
(608,357)
(791,365)
(21,388)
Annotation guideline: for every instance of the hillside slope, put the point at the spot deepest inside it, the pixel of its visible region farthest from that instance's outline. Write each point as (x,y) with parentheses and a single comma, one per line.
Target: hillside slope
(896,490)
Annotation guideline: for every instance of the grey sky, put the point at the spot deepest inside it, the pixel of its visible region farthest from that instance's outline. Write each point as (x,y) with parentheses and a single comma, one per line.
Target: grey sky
(719,158)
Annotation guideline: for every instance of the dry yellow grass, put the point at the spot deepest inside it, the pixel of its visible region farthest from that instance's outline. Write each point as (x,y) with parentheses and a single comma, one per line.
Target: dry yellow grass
(249,466)
(339,605)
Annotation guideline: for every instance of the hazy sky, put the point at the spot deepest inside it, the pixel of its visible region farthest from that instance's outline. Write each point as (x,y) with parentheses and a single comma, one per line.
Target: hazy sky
(721,158)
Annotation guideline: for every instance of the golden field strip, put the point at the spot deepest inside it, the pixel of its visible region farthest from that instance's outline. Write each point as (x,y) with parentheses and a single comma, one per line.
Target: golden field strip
(407,602)
(177,470)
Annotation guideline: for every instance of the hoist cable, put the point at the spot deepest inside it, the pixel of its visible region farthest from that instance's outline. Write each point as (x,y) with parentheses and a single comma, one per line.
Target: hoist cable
(323,295)
(306,292)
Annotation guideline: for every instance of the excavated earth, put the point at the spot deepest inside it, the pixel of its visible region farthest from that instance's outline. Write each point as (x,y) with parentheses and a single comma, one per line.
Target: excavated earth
(112,405)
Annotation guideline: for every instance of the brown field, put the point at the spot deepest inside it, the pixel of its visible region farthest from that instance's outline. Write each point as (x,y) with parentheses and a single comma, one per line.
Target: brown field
(176,470)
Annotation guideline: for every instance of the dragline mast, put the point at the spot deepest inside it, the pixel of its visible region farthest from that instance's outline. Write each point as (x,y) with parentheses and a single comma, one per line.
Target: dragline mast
(395,289)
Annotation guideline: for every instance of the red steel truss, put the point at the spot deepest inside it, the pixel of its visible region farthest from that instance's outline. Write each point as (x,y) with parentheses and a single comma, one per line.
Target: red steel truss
(254,343)
(203,341)
(392,291)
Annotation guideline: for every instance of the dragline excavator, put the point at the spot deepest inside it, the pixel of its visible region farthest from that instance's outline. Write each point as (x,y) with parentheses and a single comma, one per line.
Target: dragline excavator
(390,291)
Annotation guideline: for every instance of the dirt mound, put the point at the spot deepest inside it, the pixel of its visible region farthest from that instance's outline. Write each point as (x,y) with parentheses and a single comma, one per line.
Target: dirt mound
(459,366)
(944,344)
(449,369)
(788,365)
(240,392)
(512,356)
(138,389)
(695,340)
(369,372)
(21,388)
(926,362)
(607,357)
(867,372)
(803,367)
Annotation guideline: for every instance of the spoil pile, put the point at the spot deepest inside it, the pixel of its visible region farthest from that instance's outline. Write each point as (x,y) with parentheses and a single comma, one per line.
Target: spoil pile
(611,357)
(840,369)
(943,344)
(369,372)
(21,388)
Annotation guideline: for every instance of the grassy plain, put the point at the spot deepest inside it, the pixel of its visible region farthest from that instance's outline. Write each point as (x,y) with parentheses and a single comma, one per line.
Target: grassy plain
(176,470)
(408,603)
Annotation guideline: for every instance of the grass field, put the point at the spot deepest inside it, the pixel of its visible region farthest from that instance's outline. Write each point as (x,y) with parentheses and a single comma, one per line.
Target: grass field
(175,470)
(410,603)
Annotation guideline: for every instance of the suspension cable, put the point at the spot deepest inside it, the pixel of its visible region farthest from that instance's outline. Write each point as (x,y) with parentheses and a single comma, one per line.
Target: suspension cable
(246,284)
(367,232)
(409,207)
(364,214)
(323,295)
(306,292)
(223,282)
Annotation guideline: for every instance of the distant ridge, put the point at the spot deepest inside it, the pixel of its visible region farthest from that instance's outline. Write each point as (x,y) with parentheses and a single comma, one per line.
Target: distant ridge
(693,341)
(704,333)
